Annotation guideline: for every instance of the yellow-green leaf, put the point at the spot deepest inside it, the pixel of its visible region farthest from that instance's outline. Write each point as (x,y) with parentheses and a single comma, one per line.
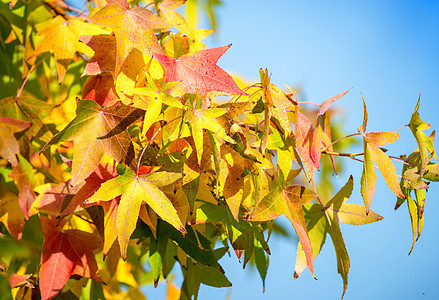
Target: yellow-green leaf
(136,190)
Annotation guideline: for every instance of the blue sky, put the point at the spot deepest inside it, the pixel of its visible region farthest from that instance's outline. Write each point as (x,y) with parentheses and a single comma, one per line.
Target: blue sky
(386,50)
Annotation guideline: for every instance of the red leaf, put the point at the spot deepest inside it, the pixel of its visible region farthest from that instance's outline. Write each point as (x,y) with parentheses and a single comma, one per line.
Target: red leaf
(64,254)
(199,73)
(307,144)
(100,88)
(104,59)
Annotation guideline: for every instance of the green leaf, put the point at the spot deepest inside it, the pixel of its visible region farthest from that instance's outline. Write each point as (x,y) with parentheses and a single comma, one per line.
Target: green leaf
(417,126)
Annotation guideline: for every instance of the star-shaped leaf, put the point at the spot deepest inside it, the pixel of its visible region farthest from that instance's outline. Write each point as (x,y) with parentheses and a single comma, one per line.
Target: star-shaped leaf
(97,130)
(8,142)
(288,201)
(62,38)
(29,110)
(325,219)
(372,141)
(198,72)
(133,28)
(65,252)
(11,214)
(104,59)
(200,119)
(135,190)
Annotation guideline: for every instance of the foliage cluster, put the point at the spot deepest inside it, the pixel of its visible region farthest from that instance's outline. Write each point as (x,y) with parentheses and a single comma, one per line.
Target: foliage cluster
(116,154)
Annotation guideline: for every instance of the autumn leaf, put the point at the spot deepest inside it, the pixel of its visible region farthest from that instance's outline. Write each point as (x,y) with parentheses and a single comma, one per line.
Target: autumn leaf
(167,8)
(11,214)
(306,144)
(65,252)
(327,103)
(28,109)
(425,145)
(133,28)
(96,131)
(199,119)
(8,141)
(237,231)
(157,97)
(27,178)
(288,201)
(62,38)
(136,190)
(198,72)
(230,177)
(104,58)
(100,88)
(372,141)
(278,104)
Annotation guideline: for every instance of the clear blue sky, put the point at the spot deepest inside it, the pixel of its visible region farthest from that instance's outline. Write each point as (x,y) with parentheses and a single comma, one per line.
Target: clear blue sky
(388,51)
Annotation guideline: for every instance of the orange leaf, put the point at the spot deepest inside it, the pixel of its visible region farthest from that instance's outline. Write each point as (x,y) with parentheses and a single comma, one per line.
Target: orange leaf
(62,38)
(133,28)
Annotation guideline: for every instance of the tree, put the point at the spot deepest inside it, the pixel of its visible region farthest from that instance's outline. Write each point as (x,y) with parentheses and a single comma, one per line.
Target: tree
(150,167)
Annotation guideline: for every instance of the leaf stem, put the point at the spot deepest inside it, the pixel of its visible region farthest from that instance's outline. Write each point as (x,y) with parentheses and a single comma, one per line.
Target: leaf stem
(401,127)
(308,102)
(143,150)
(340,139)
(29,73)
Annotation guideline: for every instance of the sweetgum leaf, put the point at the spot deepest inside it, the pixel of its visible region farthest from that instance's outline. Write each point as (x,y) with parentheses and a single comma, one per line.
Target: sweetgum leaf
(27,178)
(65,253)
(28,109)
(133,28)
(135,190)
(417,126)
(199,119)
(368,178)
(62,38)
(8,142)
(288,201)
(11,214)
(104,59)
(306,144)
(198,72)
(96,131)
